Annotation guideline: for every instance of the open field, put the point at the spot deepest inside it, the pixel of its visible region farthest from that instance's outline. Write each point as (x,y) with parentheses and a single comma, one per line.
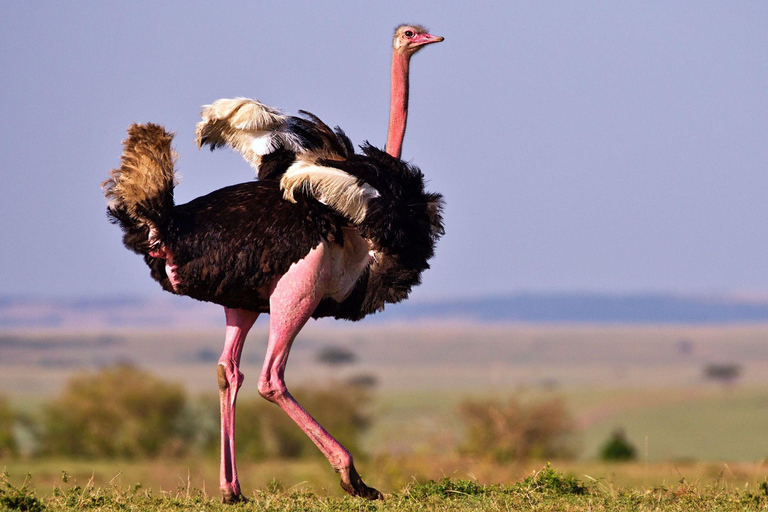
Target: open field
(461,357)
(544,489)
(448,357)
(647,380)
(387,473)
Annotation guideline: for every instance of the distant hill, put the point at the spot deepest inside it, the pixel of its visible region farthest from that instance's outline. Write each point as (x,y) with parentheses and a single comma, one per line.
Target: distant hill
(591,308)
(177,312)
(107,312)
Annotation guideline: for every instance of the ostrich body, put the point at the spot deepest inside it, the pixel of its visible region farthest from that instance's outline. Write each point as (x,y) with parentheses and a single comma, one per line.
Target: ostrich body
(323,232)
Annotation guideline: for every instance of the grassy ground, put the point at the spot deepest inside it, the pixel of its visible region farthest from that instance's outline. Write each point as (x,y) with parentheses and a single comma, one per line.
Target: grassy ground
(646,380)
(544,490)
(702,423)
(386,473)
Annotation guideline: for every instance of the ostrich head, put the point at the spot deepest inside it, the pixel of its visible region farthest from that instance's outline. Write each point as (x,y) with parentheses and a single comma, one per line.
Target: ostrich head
(408,40)
(411,38)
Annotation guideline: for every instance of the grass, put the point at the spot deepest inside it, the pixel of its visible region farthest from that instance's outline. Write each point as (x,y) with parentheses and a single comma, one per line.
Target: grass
(386,473)
(629,377)
(544,490)
(704,423)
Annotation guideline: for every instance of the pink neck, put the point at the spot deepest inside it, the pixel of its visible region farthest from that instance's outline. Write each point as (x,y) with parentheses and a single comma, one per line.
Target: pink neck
(398,108)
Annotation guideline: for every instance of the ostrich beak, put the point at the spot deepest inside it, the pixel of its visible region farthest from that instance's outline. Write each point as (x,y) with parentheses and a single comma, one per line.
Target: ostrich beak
(425,39)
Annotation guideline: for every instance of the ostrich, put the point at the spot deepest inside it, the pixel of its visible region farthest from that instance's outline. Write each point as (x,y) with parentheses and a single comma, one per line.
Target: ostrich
(324,232)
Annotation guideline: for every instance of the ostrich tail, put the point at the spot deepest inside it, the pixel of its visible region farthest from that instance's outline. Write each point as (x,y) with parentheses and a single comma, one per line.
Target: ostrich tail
(140,192)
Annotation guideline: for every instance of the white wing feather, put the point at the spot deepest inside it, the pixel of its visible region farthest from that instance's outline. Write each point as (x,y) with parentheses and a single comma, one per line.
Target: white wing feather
(337,189)
(246,125)
(255,130)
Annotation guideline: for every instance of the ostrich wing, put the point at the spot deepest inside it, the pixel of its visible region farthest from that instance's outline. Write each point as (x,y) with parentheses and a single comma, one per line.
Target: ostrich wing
(339,190)
(256,130)
(248,126)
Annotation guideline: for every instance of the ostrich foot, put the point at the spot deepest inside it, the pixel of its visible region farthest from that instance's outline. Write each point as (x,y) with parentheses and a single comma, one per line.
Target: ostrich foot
(354,485)
(231,496)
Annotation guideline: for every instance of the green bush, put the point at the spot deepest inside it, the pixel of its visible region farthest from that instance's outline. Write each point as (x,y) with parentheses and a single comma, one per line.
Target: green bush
(120,411)
(8,445)
(263,430)
(123,411)
(516,430)
(550,481)
(618,447)
(18,498)
(200,426)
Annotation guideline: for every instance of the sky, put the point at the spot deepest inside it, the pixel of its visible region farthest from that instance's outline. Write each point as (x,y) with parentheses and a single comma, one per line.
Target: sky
(593,146)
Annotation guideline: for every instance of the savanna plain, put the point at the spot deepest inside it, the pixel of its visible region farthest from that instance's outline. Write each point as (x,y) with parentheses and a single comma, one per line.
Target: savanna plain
(444,412)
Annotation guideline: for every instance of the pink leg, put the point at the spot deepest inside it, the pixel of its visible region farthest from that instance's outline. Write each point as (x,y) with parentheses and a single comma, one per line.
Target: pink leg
(295,297)
(239,322)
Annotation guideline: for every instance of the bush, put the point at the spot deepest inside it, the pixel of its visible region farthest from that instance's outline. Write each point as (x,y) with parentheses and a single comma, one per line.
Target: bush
(618,447)
(200,425)
(120,411)
(550,481)
(516,430)
(723,372)
(263,430)
(8,445)
(18,498)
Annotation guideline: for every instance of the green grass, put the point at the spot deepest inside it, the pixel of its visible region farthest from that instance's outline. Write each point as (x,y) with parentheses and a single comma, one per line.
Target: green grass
(687,431)
(702,423)
(685,424)
(389,474)
(544,490)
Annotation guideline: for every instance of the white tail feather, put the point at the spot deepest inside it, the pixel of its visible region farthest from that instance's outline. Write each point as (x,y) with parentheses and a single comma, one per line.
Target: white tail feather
(332,187)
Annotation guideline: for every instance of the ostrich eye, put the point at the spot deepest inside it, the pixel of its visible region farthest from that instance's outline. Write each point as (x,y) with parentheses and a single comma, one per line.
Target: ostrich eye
(408,33)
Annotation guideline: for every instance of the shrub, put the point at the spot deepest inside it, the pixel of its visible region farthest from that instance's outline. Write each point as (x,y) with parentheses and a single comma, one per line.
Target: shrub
(516,430)
(550,481)
(18,498)
(722,372)
(8,445)
(263,430)
(446,488)
(199,425)
(120,411)
(618,447)
(339,409)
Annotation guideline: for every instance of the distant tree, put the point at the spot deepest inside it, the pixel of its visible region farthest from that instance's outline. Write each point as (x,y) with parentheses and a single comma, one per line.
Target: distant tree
(120,411)
(725,373)
(8,445)
(618,447)
(684,346)
(515,430)
(363,381)
(334,355)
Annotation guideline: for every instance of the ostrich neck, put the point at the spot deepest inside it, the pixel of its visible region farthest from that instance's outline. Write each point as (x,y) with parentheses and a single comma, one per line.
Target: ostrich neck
(398,107)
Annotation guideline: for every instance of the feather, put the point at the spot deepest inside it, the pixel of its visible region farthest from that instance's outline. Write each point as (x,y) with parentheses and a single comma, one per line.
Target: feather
(248,126)
(335,188)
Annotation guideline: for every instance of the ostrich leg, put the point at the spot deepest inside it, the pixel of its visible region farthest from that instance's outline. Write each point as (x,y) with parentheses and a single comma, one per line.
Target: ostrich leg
(239,322)
(294,298)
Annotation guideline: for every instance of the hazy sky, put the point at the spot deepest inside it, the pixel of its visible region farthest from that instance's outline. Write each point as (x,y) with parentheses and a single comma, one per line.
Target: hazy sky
(600,146)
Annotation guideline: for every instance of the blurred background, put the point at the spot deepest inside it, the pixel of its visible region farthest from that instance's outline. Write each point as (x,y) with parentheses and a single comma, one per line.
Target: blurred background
(600,297)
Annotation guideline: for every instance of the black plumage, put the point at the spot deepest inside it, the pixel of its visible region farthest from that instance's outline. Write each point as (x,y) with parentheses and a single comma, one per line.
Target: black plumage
(230,245)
